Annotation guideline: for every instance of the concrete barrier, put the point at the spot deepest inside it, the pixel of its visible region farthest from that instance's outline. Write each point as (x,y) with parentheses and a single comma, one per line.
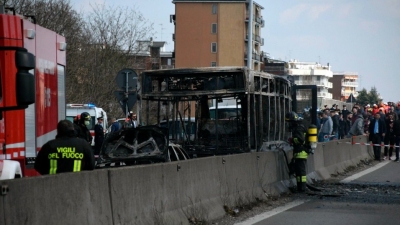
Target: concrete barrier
(80,198)
(169,193)
(335,156)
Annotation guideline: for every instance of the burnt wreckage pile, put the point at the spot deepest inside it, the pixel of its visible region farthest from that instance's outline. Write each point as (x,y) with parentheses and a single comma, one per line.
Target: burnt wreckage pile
(147,144)
(218,110)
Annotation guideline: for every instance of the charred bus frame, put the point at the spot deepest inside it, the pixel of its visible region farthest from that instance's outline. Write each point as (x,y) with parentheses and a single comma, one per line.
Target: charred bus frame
(175,94)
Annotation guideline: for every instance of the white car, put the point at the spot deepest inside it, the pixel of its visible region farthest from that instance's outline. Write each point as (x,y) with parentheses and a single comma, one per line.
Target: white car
(10,169)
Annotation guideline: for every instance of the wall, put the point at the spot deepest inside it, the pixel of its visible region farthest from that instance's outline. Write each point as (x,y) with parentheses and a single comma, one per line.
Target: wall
(166,193)
(193,35)
(231,33)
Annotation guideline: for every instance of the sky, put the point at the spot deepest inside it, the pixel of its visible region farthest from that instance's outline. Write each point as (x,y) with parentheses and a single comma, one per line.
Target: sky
(360,36)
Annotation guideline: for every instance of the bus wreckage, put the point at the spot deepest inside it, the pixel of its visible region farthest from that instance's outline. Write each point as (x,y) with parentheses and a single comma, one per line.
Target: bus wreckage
(217,110)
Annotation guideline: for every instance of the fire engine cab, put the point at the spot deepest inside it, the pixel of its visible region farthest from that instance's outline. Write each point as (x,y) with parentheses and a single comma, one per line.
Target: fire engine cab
(32,90)
(95,112)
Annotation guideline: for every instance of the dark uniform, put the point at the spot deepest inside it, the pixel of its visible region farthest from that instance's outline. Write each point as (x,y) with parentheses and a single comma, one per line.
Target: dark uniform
(81,129)
(66,153)
(300,149)
(98,136)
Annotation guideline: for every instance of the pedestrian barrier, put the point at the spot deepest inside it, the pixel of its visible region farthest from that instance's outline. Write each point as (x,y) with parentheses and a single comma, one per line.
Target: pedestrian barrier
(361,143)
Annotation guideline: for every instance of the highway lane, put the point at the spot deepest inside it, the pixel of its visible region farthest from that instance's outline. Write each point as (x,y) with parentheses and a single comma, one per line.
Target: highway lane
(371,197)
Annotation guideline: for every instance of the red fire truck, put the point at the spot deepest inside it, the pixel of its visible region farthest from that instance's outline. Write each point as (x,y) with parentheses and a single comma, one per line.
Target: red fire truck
(32,101)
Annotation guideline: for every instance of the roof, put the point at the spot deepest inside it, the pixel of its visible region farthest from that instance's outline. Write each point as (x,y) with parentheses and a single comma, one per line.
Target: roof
(158,44)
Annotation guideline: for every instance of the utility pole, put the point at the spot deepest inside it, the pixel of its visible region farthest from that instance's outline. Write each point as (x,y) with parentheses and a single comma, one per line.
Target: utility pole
(250,36)
(161,31)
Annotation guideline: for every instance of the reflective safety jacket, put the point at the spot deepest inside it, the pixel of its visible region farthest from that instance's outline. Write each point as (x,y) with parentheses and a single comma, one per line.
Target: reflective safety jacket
(65,154)
(299,133)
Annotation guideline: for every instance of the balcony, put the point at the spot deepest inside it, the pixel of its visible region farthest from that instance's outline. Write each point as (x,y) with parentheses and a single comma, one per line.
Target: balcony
(348,93)
(307,72)
(324,95)
(255,56)
(350,84)
(318,83)
(307,95)
(259,20)
(257,38)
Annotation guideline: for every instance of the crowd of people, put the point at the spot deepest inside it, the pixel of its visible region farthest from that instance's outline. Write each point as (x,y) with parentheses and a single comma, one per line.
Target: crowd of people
(381,123)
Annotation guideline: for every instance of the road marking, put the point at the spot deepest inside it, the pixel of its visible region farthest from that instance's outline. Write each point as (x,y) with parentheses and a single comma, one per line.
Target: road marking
(273,212)
(362,173)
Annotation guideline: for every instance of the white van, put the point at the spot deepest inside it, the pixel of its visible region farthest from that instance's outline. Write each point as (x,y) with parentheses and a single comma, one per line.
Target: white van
(72,110)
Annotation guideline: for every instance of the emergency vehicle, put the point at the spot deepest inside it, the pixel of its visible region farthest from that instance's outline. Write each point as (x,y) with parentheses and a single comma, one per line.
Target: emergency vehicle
(95,112)
(32,101)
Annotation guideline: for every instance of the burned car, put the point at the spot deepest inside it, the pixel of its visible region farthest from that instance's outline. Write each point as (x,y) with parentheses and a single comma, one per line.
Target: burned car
(142,145)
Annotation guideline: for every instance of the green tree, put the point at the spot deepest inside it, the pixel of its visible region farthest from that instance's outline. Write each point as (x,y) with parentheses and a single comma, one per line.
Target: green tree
(363,97)
(374,96)
(368,97)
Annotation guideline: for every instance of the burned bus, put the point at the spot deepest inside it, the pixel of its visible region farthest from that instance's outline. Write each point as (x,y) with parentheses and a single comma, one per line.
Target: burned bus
(190,99)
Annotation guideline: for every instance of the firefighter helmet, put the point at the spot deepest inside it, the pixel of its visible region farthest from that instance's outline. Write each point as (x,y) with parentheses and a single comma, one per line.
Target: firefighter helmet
(292,116)
(85,117)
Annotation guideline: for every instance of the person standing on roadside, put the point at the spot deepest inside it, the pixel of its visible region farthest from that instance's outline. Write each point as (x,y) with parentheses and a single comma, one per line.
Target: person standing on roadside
(347,125)
(66,153)
(98,135)
(377,130)
(397,110)
(355,112)
(345,112)
(327,127)
(335,124)
(358,126)
(396,131)
(389,138)
(367,120)
(342,124)
(115,125)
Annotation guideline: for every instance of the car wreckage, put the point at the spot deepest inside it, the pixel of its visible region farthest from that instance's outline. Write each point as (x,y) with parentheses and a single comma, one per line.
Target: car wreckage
(142,145)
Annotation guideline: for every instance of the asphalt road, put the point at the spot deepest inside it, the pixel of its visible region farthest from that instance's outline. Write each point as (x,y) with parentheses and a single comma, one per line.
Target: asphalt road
(371,197)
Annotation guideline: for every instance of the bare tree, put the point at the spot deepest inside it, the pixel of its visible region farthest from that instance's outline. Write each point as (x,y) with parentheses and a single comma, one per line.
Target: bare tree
(110,43)
(99,45)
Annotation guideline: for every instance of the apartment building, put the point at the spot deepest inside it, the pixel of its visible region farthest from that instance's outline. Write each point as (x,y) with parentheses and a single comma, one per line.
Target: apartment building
(151,56)
(311,73)
(344,84)
(217,33)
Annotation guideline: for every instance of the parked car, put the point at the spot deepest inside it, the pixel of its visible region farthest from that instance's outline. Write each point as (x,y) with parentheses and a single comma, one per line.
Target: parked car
(142,145)
(10,169)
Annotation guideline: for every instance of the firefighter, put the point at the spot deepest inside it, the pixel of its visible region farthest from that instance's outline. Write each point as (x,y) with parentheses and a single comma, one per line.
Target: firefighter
(300,149)
(66,153)
(81,127)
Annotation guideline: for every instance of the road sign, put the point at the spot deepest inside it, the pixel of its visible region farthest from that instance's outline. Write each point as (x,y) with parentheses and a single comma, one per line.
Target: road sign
(127,79)
(126,100)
